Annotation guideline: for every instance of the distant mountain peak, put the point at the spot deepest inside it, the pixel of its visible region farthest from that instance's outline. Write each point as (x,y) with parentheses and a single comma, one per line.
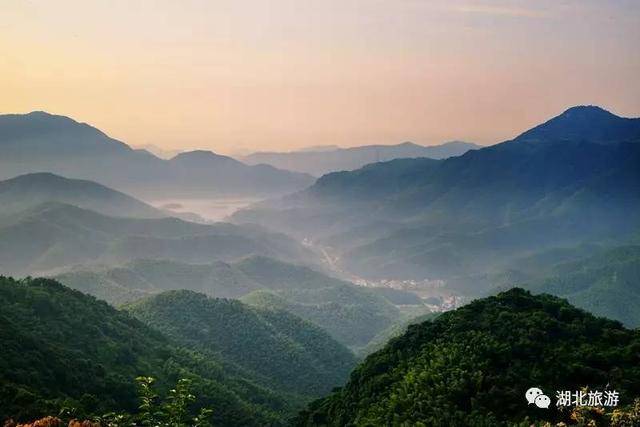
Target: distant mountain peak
(45,116)
(201,157)
(42,113)
(585,111)
(585,123)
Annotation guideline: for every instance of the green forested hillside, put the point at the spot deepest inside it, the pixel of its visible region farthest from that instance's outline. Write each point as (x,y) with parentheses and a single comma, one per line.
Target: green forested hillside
(275,274)
(472,366)
(351,314)
(395,330)
(287,352)
(129,281)
(139,278)
(61,348)
(606,284)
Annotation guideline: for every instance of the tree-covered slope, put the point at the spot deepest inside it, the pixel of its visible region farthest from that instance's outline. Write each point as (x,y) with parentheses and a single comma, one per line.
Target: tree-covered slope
(472,366)
(275,274)
(289,353)
(351,314)
(139,278)
(62,348)
(606,284)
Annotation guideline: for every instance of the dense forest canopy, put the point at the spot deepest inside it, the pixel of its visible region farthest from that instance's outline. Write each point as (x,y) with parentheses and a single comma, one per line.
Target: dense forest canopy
(65,349)
(472,366)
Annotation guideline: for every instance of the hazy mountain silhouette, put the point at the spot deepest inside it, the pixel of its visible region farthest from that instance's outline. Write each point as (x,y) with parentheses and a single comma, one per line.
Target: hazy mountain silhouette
(606,284)
(563,183)
(142,277)
(28,191)
(42,142)
(318,148)
(54,236)
(162,153)
(322,161)
(585,123)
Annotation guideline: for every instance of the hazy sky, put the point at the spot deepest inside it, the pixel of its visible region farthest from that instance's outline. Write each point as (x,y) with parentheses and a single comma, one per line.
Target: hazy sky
(281,74)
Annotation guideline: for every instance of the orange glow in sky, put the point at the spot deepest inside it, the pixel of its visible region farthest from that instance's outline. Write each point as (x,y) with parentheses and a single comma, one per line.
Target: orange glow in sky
(283,74)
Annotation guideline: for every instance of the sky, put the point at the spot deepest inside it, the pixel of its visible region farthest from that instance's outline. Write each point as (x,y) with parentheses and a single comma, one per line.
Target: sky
(238,76)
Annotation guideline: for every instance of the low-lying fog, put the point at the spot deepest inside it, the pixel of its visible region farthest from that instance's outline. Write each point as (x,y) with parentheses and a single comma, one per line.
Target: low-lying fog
(213,209)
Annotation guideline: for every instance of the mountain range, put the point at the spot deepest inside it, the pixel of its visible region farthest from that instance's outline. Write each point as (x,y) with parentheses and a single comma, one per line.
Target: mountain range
(43,142)
(141,252)
(55,236)
(567,182)
(321,160)
(258,325)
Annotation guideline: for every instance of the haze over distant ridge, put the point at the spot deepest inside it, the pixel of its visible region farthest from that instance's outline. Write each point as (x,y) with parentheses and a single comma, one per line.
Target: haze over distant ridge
(324,159)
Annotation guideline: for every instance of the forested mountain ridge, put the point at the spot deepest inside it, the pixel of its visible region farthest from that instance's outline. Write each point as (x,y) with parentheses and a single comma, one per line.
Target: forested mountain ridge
(139,278)
(290,354)
(351,314)
(606,284)
(472,366)
(61,348)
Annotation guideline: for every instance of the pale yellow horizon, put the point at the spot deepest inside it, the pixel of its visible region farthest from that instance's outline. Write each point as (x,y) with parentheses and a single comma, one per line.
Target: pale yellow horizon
(279,75)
